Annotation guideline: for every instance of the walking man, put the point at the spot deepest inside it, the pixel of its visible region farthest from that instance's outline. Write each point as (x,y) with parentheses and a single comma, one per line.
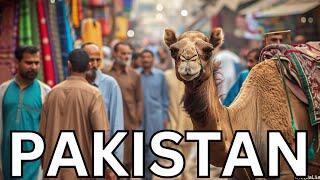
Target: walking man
(75,105)
(155,98)
(109,90)
(130,85)
(21,101)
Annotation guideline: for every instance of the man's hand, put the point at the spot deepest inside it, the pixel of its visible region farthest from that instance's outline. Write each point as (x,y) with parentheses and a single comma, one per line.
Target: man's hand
(110,175)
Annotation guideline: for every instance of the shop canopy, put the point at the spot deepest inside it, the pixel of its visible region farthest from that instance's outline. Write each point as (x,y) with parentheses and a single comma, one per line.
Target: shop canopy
(258,6)
(288,8)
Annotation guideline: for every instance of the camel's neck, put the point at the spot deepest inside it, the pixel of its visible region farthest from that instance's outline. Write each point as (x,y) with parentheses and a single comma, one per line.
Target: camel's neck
(203,105)
(206,112)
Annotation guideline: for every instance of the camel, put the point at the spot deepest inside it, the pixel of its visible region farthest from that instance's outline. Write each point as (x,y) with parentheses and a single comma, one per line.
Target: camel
(261,105)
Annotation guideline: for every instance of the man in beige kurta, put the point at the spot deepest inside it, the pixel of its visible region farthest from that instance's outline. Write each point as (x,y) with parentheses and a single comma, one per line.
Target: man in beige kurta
(74,105)
(179,120)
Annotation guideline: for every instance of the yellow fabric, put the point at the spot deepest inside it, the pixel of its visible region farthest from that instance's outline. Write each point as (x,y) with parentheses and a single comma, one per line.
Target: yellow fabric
(91,31)
(179,119)
(75,14)
(122,27)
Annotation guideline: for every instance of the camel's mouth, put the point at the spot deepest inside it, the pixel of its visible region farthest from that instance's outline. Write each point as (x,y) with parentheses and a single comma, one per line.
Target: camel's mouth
(189,77)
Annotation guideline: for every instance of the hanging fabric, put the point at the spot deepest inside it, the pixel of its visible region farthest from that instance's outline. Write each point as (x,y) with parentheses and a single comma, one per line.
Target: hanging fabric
(25,31)
(64,33)
(45,46)
(105,25)
(54,36)
(127,6)
(97,3)
(52,46)
(122,27)
(8,35)
(35,33)
(118,6)
(91,31)
(75,13)
(80,10)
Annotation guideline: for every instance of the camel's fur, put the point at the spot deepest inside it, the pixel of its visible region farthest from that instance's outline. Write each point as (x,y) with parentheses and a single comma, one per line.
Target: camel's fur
(260,106)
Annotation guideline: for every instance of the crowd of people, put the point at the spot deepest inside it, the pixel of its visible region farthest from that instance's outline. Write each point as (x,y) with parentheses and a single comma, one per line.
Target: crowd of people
(138,90)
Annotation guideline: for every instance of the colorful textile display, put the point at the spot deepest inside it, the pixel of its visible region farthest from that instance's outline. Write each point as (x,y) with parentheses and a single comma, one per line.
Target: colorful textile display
(54,36)
(80,10)
(122,27)
(66,40)
(127,5)
(91,31)
(25,31)
(8,36)
(35,33)
(97,2)
(45,45)
(105,26)
(75,13)
(118,6)
(52,46)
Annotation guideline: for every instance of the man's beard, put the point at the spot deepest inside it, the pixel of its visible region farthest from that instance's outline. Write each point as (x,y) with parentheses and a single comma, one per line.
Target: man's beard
(122,63)
(91,75)
(29,75)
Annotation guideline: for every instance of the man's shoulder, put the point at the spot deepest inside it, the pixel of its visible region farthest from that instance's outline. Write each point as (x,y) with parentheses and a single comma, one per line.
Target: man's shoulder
(158,71)
(44,86)
(133,73)
(6,83)
(105,78)
(244,73)
(79,86)
(4,86)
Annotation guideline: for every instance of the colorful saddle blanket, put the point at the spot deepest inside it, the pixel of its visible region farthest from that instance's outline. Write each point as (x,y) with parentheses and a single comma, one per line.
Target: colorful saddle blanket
(301,69)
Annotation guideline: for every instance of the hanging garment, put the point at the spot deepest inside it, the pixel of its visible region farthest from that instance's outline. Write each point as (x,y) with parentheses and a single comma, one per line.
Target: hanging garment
(127,5)
(105,26)
(96,2)
(35,33)
(54,36)
(45,45)
(122,27)
(64,33)
(8,36)
(80,10)
(25,31)
(52,46)
(75,13)
(91,31)
(118,6)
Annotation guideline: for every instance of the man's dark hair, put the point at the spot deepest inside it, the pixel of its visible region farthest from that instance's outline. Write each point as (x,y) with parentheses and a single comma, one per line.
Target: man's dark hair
(25,49)
(147,51)
(116,46)
(135,56)
(87,44)
(79,60)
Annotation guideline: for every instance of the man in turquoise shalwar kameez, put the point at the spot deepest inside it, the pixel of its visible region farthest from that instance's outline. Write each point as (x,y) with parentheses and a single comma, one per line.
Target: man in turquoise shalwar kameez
(21,101)
(252,59)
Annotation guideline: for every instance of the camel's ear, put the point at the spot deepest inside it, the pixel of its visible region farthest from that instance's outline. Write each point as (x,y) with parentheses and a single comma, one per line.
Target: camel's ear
(216,37)
(169,37)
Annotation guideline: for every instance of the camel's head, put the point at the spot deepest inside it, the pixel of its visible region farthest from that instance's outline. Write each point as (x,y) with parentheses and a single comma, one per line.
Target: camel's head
(192,51)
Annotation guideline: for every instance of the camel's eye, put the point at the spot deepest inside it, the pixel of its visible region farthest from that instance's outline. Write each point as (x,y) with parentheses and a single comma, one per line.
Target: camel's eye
(206,52)
(174,52)
(207,49)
